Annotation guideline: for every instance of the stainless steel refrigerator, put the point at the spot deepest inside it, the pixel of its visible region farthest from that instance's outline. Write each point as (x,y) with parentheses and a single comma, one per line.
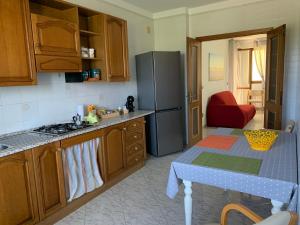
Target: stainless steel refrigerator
(160,88)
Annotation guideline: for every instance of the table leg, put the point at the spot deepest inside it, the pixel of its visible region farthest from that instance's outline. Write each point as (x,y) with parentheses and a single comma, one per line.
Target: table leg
(188,204)
(276,206)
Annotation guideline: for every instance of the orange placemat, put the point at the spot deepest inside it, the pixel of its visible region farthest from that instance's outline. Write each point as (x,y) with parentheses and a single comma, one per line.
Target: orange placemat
(220,142)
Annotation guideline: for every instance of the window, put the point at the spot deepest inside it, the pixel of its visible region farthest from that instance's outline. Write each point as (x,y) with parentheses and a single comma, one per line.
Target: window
(255,74)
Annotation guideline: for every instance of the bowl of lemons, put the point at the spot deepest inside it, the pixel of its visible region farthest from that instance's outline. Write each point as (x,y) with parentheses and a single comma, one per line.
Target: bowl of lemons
(261,140)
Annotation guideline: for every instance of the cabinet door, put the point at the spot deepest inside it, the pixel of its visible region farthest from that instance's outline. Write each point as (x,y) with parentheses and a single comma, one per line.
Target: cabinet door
(16,46)
(55,37)
(114,151)
(49,179)
(117,49)
(18,204)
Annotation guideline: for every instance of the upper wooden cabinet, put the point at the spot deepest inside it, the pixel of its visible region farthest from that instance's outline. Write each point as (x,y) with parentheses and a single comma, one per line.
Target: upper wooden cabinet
(117,48)
(49,179)
(54,36)
(17,65)
(17,190)
(47,36)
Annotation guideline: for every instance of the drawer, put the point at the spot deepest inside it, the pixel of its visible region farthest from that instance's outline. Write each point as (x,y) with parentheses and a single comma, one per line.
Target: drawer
(136,158)
(135,148)
(137,124)
(133,137)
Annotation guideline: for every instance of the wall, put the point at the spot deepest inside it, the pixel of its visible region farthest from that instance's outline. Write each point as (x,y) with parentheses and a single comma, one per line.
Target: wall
(261,15)
(52,100)
(170,35)
(221,48)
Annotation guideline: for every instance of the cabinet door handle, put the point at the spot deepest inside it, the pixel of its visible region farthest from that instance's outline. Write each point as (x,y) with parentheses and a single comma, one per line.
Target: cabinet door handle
(125,128)
(136,148)
(135,136)
(136,159)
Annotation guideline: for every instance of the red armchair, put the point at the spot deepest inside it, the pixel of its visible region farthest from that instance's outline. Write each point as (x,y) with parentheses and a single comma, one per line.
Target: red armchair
(223,111)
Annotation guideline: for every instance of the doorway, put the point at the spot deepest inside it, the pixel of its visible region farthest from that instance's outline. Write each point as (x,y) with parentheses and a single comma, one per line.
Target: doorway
(254,75)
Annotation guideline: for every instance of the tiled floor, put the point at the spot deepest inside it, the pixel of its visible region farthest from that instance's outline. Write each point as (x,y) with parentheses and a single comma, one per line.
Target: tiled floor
(141,200)
(257,122)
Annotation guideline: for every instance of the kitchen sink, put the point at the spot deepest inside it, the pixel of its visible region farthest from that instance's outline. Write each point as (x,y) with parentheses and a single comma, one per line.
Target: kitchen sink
(3,147)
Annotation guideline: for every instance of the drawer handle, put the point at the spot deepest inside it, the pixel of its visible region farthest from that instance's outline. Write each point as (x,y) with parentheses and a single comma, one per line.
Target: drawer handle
(124,128)
(135,136)
(134,124)
(136,148)
(136,159)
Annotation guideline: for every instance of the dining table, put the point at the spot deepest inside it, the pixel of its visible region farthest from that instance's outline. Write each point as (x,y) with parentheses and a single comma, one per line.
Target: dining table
(276,178)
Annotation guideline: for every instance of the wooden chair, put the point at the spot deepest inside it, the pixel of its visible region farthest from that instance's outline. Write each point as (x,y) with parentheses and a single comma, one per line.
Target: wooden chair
(256,97)
(281,218)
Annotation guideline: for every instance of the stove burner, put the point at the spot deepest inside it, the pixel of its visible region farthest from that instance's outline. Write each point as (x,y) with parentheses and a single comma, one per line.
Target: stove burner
(63,128)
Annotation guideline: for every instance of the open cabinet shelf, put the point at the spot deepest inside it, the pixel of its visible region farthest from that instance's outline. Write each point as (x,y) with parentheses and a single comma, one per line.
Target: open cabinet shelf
(89,33)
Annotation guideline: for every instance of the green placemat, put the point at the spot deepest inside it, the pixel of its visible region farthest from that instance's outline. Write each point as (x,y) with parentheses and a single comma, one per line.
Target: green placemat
(237,132)
(227,162)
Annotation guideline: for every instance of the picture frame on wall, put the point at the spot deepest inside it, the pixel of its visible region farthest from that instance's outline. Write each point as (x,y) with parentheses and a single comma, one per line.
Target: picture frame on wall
(216,67)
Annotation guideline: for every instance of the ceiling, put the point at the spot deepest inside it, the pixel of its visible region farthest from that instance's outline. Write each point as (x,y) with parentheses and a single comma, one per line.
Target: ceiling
(162,5)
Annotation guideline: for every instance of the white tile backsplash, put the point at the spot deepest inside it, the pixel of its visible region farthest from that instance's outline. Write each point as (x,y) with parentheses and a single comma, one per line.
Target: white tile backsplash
(53,100)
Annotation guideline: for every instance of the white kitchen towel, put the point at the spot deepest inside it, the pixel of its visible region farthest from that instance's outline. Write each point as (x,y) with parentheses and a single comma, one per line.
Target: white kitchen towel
(96,147)
(81,168)
(70,171)
(89,177)
(81,189)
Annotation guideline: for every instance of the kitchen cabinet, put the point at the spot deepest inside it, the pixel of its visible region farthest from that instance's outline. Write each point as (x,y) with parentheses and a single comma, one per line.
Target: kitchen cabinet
(18,201)
(17,66)
(124,146)
(117,48)
(49,178)
(135,142)
(115,161)
(56,38)
(34,185)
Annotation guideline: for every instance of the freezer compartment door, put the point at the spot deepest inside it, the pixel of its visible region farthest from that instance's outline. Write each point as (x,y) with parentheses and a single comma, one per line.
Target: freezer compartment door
(169,132)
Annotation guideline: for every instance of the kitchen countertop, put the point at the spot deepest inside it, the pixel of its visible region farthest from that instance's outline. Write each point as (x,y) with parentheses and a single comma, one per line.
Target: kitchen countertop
(24,140)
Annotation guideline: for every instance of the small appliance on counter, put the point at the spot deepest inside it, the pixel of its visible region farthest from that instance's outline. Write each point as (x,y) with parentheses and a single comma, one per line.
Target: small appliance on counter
(129,104)
(77,119)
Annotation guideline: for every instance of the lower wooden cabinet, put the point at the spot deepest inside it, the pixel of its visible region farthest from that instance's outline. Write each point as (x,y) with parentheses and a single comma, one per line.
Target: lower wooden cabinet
(49,179)
(135,142)
(32,183)
(124,146)
(18,203)
(115,161)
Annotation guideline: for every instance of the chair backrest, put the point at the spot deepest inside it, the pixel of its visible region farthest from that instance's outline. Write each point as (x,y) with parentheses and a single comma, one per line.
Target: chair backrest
(281,218)
(223,98)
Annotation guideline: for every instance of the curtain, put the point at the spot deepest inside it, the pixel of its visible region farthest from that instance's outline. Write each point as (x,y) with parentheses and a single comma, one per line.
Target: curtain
(260,59)
(239,94)
(81,168)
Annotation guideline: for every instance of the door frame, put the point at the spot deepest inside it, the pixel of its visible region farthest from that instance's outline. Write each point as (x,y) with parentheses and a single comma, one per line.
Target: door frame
(221,36)
(194,103)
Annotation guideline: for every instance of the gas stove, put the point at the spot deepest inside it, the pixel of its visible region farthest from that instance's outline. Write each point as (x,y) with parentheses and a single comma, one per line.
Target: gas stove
(59,129)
